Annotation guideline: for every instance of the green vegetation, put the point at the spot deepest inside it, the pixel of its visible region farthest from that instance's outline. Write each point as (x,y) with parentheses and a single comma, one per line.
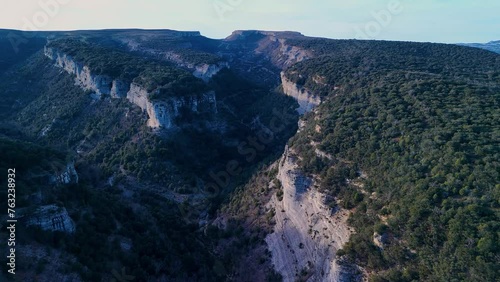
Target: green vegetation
(349,63)
(190,49)
(16,46)
(130,175)
(152,75)
(412,130)
(33,165)
(249,221)
(421,121)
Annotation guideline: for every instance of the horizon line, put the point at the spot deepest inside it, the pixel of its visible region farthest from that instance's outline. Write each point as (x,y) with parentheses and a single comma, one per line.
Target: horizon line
(236,30)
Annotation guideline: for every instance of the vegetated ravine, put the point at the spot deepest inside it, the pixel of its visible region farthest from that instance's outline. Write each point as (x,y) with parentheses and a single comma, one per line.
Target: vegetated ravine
(266,156)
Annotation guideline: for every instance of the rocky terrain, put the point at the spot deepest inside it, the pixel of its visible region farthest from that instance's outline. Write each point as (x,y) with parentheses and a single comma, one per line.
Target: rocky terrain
(52,218)
(160,153)
(307,233)
(67,176)
(307,100)
(161,113)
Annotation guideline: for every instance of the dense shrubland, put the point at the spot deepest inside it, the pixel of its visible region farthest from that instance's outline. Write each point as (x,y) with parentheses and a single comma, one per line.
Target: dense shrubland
(413,129)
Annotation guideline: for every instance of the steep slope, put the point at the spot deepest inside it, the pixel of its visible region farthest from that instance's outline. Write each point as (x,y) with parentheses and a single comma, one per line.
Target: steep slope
(162,112)
(169,147)
(188,50)
(307,233)
(91,99)
(405,138)
(262,55)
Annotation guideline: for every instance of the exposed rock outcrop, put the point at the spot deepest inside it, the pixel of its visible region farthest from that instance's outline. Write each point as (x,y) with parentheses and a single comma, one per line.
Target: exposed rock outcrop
(119,89)
(52,218)
(260,56)
(162,113)
(307,233)
(307,100)
(67,176)
(100,84)
(380,240)
(275,45)
(200,70)
(206,71)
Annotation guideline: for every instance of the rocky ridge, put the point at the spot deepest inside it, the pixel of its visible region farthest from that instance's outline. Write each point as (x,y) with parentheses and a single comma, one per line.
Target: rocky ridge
(306,99)
(162,113)
(201,70)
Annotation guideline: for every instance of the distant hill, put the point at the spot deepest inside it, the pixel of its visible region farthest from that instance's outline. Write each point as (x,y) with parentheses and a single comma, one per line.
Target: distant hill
(493,46)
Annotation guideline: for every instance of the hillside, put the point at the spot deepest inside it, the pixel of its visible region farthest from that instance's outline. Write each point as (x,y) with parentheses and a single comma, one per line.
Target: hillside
(493,46)
(264,156)
(411,145)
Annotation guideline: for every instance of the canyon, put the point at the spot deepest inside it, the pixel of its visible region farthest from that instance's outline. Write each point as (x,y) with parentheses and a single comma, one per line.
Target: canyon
(162,113)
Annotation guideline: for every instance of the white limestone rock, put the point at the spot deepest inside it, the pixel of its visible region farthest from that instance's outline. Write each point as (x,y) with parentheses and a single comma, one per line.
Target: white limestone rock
(52,218)
(306,99)
(99,84)
(307,233)
(67,176)
(206,71)
(162,113)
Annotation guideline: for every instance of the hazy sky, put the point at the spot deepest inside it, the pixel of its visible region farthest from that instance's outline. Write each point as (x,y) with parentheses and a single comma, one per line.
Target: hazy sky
(414,20)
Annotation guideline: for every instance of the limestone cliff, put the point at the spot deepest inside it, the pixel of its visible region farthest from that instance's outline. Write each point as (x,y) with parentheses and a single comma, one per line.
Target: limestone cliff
(162,113)
(206,71)
(52,218)
(307,100)
(67,176)
(274,45)
(99,84)
(260,56)
(201,70)
(307,233)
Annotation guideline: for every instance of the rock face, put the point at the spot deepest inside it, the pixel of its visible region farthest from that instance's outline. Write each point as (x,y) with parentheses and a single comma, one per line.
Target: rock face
(52,218)
(380,240)
(260,56)
(274,44)
(119,89)
(100,84)
(68,176)
(162,114)
(307,233)
(206,71)
(203,71)
(307,100)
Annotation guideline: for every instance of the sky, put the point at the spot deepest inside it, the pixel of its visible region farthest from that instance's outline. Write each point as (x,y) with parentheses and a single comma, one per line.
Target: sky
(448,21)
